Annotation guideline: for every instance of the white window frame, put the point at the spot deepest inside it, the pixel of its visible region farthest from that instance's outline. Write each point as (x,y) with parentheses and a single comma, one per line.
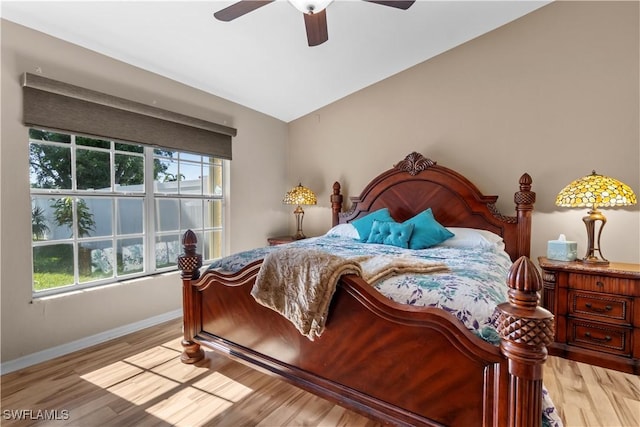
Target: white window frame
(149,232)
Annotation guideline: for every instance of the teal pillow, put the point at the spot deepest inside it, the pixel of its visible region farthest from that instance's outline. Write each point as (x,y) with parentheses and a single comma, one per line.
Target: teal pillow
(364,224)
(390,233)
(427,231)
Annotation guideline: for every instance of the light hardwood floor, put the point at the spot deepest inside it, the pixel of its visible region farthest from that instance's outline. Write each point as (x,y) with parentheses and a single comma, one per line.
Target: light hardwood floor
(138,380)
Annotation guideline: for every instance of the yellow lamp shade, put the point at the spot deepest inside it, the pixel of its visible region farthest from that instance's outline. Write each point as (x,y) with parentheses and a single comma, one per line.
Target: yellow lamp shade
(300,195)
(594,191)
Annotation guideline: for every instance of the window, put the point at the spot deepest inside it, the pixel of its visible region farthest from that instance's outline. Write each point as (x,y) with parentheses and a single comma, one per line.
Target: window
(103,211)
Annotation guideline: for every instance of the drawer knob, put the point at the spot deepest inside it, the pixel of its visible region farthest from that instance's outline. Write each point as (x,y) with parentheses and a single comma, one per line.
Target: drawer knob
(598,309)
(606,338)
(599,284)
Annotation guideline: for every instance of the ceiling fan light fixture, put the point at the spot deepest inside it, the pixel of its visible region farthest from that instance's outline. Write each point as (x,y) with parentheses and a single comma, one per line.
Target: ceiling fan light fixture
(310,6)
(313,11)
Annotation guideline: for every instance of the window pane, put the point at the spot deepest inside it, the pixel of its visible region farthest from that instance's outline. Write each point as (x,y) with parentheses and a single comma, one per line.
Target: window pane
(102,259)
(191,157)
(42,221)
(95,216)
(167,251)
(212,179)
(164,153)
(85,215)
(129,172)
(213,213)
(130,256)
(190,178)
(50,166)
(52,266)
(93,170)
(161,162)
(95,260)
(212,160)
(44,135)
(212,246)
(91,142)
(167,215)
(166,180)
(130,216)
(191,214)
(129,147)
(60,212)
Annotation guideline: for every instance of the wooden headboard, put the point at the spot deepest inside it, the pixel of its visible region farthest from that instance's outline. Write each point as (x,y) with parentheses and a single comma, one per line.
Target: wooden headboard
(417,183)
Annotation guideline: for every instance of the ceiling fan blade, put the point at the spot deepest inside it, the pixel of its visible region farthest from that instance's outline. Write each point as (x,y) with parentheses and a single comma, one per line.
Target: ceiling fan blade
(316,25)
(240,8)
(404,5)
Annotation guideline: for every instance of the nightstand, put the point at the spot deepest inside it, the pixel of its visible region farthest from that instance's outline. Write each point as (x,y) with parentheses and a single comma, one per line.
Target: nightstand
(597,312)
(280,240)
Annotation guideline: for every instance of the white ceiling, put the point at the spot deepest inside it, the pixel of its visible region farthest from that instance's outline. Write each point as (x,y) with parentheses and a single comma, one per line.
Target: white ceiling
(261,60)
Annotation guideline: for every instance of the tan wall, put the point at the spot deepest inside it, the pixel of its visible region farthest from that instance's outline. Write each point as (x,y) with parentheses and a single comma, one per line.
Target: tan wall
(31,327)
(554,94)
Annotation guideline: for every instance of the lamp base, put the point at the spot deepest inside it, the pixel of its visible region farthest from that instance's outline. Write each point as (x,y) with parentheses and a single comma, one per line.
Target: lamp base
(593,245)
(595,261)
(299,213)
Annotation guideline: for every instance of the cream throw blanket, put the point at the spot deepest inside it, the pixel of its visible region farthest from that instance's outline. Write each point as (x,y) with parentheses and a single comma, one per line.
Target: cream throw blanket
(299,284)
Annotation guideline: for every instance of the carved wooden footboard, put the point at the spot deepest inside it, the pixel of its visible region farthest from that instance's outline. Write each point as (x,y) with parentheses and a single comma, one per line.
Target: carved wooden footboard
(415,366)
(399,364)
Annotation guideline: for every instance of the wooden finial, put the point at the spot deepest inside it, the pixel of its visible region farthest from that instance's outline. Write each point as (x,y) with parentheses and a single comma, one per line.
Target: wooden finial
(189,239)
(336,203)
(525,330)
(524,282)
(525,198)
(190,262)
(521,320)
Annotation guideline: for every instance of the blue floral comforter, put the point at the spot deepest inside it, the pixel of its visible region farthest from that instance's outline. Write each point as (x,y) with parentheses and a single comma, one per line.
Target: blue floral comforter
(470,290)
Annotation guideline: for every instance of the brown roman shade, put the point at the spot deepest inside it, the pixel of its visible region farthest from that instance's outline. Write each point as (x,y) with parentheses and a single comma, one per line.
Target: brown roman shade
(60,106)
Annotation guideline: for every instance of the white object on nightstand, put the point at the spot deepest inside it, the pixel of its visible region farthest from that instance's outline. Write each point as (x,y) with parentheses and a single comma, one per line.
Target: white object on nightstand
(562,249)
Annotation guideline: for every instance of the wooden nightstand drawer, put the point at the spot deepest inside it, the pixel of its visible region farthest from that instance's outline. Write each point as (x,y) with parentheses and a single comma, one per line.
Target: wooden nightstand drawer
(599,283)
(601,337)
(597,312)
(599,306)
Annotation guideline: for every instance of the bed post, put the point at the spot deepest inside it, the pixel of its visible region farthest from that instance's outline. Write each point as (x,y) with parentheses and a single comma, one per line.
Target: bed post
(189,263)
(336,204)
(525,330)
(524,199)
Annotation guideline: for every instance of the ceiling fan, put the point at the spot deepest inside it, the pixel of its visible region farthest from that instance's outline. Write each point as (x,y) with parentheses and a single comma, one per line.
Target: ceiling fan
(315,16)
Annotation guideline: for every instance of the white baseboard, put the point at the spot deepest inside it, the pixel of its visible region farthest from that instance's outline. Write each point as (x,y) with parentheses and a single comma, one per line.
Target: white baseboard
(61,350)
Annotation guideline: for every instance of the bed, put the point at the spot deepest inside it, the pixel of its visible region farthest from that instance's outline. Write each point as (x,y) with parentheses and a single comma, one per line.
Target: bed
(396,363)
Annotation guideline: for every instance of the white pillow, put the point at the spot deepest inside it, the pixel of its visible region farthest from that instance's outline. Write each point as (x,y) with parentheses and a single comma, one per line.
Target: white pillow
(344,230)
(473,238)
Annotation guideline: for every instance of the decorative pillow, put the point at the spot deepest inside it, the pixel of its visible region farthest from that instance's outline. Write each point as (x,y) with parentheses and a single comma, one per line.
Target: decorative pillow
(344,230)
(390,233)
(473,238)
(363,225)
(427,231)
